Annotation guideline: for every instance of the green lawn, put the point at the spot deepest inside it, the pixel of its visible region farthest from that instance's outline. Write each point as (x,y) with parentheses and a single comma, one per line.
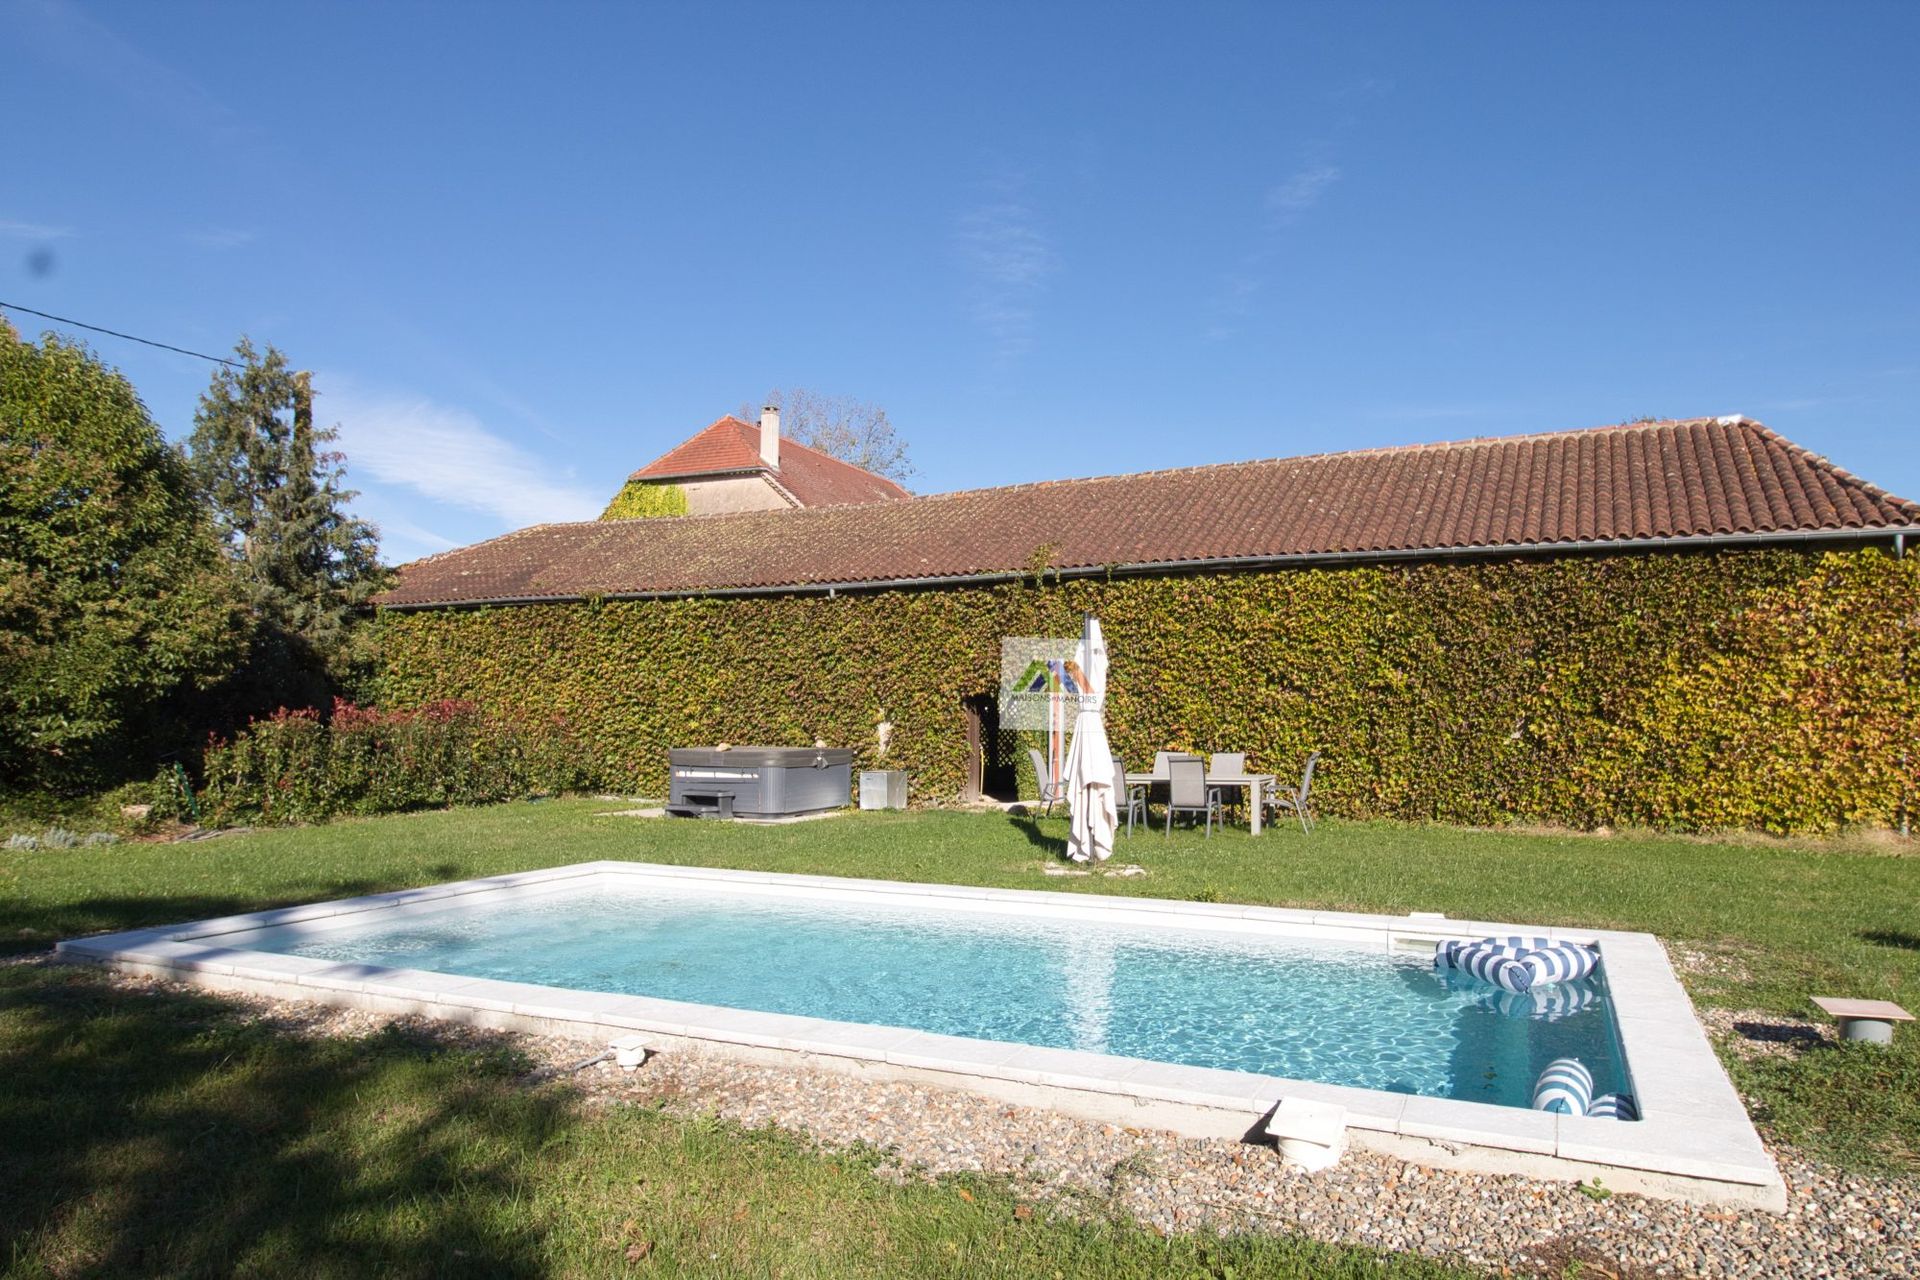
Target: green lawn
(155,1134)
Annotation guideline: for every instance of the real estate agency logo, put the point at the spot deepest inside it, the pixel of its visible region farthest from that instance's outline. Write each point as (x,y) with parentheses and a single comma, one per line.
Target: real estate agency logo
(1040,681)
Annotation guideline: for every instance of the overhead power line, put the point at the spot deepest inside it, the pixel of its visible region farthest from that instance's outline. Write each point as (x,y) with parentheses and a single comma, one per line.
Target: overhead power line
(115,333)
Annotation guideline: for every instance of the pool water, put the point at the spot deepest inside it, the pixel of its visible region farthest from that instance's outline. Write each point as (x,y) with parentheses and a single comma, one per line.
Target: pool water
(1282,1007)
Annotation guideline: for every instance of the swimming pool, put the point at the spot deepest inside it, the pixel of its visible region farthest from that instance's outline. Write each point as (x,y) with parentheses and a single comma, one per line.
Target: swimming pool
(1201,1018)
(1335,1012)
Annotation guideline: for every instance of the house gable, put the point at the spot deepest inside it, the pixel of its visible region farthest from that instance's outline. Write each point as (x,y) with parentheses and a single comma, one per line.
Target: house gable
(721,471)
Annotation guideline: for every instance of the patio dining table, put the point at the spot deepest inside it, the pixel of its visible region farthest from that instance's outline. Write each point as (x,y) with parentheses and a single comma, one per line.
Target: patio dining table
(1254,784)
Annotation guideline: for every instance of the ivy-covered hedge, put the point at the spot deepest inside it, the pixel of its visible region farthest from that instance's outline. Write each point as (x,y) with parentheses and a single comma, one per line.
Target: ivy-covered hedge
(296,767)
(1764,689)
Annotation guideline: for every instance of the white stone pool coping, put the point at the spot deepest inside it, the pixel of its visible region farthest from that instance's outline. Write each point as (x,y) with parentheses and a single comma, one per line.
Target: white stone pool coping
(1694,1140)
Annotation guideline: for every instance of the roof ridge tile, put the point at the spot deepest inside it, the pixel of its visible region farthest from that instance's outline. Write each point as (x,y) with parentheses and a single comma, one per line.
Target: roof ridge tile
(1680,479)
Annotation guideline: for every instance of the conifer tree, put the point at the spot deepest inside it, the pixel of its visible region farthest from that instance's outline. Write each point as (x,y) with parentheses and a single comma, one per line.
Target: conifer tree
(276,487)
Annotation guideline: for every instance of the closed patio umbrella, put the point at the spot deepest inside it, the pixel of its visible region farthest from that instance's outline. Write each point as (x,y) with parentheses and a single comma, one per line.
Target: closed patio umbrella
(1090,758)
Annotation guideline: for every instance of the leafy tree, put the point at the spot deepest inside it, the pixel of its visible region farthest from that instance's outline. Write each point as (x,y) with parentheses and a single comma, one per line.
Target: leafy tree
(278,497)
(113,599)
(848,429)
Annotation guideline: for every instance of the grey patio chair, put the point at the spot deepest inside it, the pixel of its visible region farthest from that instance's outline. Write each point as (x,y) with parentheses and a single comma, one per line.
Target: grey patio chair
(1295,799)
(1188,792)
(1051,790)
(1133,799)
(1228,764)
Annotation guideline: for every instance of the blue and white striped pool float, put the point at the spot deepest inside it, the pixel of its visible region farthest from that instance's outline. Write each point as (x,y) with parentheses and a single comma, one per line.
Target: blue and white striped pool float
(1561,962)
(1517,964)
(1452,951)
(1614,1106)
(1566,1086)
(1507,972)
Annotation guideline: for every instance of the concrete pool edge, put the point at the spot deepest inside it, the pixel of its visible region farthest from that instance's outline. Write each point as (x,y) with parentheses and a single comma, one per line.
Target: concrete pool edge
(1694,1142)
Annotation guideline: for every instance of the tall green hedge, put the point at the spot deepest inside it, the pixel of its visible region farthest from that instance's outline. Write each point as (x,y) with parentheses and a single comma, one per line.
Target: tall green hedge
(295,767)
(1765,689)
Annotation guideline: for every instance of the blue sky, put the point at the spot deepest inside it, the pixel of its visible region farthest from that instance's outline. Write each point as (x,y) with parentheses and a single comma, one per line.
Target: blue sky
(528,248)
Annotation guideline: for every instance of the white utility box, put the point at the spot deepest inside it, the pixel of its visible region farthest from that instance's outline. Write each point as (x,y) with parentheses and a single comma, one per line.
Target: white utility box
(883,789)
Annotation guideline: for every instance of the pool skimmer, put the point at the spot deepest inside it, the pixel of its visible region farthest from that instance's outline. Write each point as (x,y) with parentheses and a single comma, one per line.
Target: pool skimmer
(1310,1134)
(630,1052)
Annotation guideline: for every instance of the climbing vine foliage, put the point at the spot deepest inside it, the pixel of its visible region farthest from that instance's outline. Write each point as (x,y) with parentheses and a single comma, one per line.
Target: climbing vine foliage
(1763,689)
(639,499)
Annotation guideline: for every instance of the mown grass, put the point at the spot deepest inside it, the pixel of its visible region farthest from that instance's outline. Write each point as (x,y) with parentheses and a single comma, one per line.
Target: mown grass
(390,1155)
(150,1134)
(1786,917)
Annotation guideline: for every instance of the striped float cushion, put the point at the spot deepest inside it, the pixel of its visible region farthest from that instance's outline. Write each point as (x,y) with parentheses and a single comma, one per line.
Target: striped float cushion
(1562,962)
(1565,1086)
(1501,970)
(1516,945)
(1452,952)
(1614,1106)
(1517,964)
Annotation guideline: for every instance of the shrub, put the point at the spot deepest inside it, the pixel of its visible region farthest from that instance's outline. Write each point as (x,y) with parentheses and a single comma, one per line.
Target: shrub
(295,767)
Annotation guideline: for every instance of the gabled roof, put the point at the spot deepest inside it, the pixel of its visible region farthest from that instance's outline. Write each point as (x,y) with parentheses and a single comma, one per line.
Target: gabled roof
(1675,483)
(732,447)
(728,445)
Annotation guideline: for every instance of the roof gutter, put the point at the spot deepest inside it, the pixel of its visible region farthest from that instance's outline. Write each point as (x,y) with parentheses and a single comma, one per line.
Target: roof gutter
(1895,536)
(718,473)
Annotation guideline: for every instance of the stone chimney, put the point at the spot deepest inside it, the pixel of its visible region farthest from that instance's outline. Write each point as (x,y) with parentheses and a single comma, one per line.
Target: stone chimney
(770,437)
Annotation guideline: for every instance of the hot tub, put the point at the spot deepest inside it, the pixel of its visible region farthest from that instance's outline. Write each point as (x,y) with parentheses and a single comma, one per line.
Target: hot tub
(758,782)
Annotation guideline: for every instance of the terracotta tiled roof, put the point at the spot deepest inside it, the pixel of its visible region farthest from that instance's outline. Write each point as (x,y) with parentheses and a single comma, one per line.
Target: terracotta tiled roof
(1679,481)
(821,480)
(731,446)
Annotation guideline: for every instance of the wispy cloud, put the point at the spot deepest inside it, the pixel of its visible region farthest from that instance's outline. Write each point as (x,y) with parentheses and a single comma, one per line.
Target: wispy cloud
(1008,258)
(1361,87)
(222,237)
(448,455)
(1234,298)
(401,539)
(95,54)
(1284,203)
(404,531)
(34,231)
(1302,190)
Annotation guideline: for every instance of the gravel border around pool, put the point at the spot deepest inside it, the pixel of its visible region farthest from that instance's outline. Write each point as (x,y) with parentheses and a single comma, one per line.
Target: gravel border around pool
(1693,1141)
(1834,1224)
